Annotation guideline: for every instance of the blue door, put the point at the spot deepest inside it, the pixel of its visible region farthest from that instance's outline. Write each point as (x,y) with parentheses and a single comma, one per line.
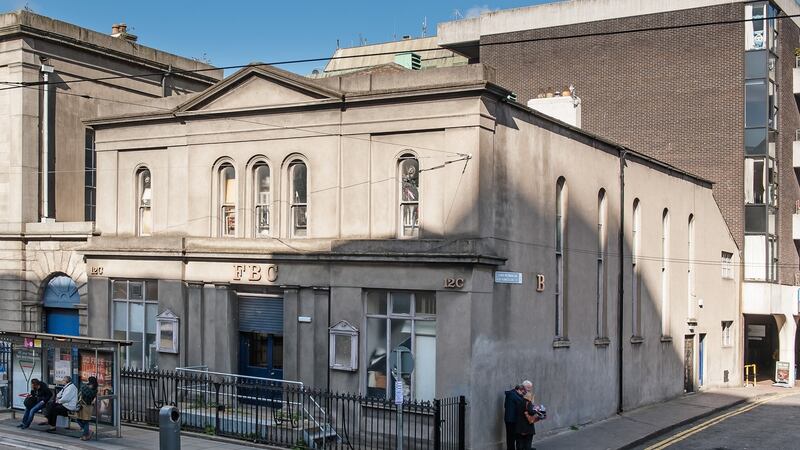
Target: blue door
(60,300)
(701,361)
(261,337)
(62,321)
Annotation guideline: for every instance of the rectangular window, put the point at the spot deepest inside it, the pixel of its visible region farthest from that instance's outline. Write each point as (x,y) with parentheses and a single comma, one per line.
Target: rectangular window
(755,254)
(755,141)
(727,265)
(755,26)
(756,105)
(727,339)
(90,177)
(135,307)
(755,186)
(407,320)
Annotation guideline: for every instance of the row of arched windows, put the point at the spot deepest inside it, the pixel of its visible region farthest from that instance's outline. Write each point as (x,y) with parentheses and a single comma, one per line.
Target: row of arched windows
(259,196)
(601,303)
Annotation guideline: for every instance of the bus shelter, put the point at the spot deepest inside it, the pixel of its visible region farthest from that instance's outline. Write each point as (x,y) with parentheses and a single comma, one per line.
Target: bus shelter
(51,357)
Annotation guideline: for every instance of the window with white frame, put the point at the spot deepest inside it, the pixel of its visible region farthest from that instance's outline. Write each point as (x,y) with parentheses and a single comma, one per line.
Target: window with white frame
(409,196)
(665,307)
(227,200)
(396,319)
(602,249)
(134,311)
(727,265)
(298,198)
(144,197)
(560,232)
(261,199)
(727,338)
(636,239)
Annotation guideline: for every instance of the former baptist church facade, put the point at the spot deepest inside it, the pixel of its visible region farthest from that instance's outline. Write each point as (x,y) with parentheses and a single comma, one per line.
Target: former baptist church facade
(291,228)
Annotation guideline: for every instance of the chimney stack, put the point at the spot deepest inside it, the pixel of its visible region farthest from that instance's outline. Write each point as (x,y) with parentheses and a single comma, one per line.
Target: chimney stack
(120,30)
(114,29)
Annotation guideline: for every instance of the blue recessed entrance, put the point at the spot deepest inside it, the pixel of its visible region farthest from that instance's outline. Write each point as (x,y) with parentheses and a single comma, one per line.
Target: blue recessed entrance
(60,302)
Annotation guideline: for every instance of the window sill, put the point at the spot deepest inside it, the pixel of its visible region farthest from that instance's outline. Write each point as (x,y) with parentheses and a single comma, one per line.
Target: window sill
(637,340)
(666,338)
(561,343)
(602,342)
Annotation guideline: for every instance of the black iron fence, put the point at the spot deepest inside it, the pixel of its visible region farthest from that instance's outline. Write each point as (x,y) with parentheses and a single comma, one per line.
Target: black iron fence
(290,414)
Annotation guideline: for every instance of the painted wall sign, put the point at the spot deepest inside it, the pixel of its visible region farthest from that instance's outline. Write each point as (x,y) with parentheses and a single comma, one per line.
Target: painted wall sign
(508,277)
(255,272)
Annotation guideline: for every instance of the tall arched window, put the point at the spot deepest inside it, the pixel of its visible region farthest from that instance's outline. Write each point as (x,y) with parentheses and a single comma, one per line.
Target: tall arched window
(690,269)
(298,198)
(665,273)
(261,199)
(144,197)
(636,279)
(561,228)
(409,196)
(227,200)
(602,249)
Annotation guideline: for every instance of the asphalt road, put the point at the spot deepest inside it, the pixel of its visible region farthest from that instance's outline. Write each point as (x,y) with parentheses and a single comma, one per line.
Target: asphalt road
(773,423)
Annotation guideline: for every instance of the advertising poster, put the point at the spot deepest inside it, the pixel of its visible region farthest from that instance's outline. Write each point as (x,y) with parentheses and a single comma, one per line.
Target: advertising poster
(26,364)
(100,367)
(62,365)
(782,372)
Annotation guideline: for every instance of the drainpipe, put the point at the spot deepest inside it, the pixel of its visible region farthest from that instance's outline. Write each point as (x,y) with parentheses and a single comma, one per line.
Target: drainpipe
(620,284)
(47,144)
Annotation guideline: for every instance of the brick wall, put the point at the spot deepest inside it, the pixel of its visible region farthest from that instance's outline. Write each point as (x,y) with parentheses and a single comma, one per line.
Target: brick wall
(676,95)
(788,123)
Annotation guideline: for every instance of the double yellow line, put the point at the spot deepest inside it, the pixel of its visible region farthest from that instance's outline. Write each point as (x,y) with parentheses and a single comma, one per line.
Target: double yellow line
(711,422)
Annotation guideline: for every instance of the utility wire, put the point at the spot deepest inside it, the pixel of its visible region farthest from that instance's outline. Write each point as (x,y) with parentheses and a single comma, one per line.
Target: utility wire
(173,71)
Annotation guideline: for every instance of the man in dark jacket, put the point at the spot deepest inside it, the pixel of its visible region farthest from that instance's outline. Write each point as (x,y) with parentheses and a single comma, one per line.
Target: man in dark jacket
(39,396)
(513,407)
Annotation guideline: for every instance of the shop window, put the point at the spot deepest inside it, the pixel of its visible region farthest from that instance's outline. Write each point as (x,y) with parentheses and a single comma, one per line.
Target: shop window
(144,198)
(134,311)
(560,232)
(227,200)
(409,196)
(298,201)
(727,265)
(602,250)
(636,240)
(261,199)
(396,319)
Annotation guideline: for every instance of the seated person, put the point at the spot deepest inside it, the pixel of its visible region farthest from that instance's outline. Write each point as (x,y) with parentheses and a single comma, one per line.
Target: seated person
(66,402)
(39,396)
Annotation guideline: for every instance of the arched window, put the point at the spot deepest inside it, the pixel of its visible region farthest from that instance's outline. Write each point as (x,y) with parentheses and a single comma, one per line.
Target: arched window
(298,198)
(409,196)
(561,228)
(144,197)
(227,200)
(636,279)
(602,249)
(261,199)
(665,273)
(690,270)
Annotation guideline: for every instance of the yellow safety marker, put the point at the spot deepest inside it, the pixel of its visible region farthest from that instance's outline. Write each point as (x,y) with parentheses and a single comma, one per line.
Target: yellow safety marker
(711,422)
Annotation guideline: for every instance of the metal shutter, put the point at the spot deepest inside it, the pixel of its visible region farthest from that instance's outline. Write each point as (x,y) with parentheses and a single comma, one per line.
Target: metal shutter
(261,314)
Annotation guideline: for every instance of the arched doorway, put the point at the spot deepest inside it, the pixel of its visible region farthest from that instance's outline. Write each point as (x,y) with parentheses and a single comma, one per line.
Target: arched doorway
(60,300)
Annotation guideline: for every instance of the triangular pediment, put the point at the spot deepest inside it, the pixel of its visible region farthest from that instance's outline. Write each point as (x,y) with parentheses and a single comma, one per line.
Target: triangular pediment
(259,86)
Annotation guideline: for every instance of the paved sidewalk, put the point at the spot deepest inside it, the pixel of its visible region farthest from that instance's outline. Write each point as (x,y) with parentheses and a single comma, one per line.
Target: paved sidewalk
(637,426)
(133,438)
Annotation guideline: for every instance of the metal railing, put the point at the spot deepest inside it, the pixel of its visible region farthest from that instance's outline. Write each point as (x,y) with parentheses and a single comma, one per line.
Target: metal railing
(289,414)
(747,372)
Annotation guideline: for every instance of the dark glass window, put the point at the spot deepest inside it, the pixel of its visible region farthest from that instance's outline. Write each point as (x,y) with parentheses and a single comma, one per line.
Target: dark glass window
(755,219)
(756,103)
(755,64)
(755,141)
(90,177)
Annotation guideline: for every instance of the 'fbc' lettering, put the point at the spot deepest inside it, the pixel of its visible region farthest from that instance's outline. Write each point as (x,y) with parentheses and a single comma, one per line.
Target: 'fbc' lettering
(254,272)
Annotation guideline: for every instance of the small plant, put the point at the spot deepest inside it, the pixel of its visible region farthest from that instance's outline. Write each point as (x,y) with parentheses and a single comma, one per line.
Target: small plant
(300,445)
(210,430)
